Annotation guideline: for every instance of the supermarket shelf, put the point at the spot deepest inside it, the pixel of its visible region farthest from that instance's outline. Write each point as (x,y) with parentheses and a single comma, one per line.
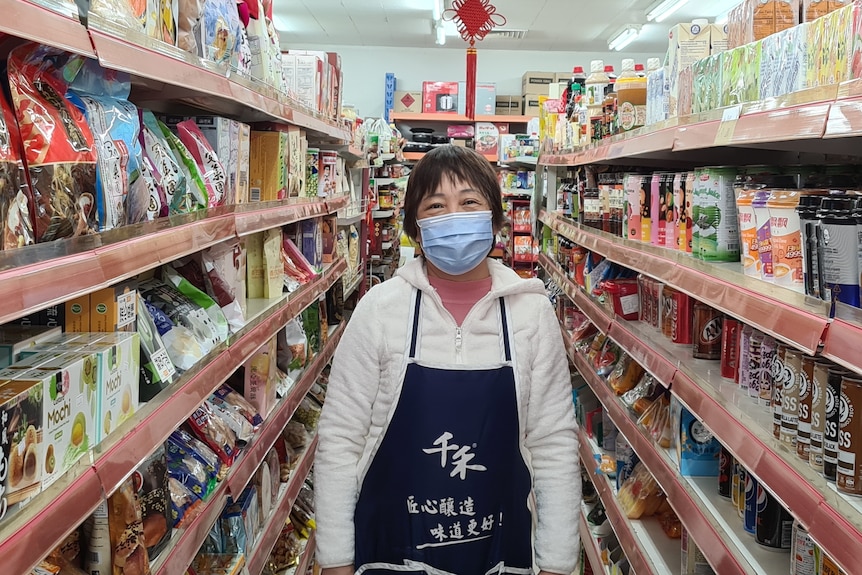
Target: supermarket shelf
(350,220)
(29,275)
(269,535)
(27,20)
(721,553)
(844,337)
(593,553)
(517,192)
(520,161)
(591,309)
(382,214)
(307,558)
(634,541)
(353,286)
(254,454)
(787,315)
(446,117)
(384,181)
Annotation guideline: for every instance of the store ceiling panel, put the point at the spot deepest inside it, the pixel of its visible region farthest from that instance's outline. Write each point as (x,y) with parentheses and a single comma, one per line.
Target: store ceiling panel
(560,25)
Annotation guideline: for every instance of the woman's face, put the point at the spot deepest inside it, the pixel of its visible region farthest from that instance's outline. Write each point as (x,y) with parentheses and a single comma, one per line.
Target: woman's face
(451,197)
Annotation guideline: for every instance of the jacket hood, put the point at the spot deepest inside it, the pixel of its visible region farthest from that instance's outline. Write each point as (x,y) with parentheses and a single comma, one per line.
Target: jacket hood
(504,281)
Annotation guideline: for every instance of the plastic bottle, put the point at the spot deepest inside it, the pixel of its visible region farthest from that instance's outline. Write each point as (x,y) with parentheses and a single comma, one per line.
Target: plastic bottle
(596,83)
(639,70)
(631,92)
(652,64)
(609,72)
(577,83)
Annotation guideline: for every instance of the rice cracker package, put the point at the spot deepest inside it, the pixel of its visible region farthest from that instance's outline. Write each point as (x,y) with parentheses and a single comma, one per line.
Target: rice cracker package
(126,527)
(59,150)
(16,200)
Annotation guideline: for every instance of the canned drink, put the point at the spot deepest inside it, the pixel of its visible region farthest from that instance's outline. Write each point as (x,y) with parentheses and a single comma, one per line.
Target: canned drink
(729,349)
(755,352)
(681,318)
(803,552)
(725,473)
(716,228)
(749,518)
(830,434)
(790,398)
(744,371)
(738,488)
(849,471)
(803,430)
(767,385)
(667,297)
(646,302)
(774,530)
(655,303)
(819,383)
(707,332)
(838,242)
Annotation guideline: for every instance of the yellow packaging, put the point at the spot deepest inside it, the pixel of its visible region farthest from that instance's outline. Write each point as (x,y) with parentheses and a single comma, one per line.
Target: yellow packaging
(78,314)
(814,9)
(717,39)
(115,308)
(266,166)
(840,44)
(297,148)
(763,18)
(814,46)
(786,14)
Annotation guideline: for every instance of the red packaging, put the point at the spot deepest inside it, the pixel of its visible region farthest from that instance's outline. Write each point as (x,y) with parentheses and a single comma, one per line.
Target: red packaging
(707,332)
(646,303)
(681,312)
(624,294)
(655,287)
(666,319)
(16,199)
(730,348)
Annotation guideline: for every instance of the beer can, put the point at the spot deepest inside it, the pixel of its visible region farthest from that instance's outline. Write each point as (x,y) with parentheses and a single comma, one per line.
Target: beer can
(830,434)
(725,473)
(749,518)
(655,301)
(681,318)
(707,332)
(767,357)
(790,397)
(819,383)
(803,430)
(849,470)
(755,348)
(744,358)
(803,553)
(738,488)
(729,349)
(774,530)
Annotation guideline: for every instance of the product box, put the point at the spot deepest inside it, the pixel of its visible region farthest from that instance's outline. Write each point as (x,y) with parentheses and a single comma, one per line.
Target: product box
(15,340)
(115,308)
(486,99)
(536,83)
(770,67)
(273,267)
(329,78)
(254,266)
(696,448)
(243,161)
(260,378)
(507,105)
(717,38)
(118,360)
(223,135)
(531,104)
(487,139)
(308,78)
(329,232)
(311,243)
(267,178)
(70,402)
(407,102)
(687,43)
(22,444)
(440,97)
(52,316)
(77,314)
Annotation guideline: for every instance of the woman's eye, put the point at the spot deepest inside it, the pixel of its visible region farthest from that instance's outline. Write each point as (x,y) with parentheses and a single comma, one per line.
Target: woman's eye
(471,202)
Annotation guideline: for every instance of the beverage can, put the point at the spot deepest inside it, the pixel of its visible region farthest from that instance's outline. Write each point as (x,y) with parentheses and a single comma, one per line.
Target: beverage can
(749,519)
(819,383)
(707,332)
(667,297)
(779,375)
(729,349)
(687,234)
(737,486)
(803,553)
(830,434)
(838,250)
(808,224)
(725,473)
(790,398)
(681,318)
(755,352)
(849,472)
(774,530)
(768,351)
(716,227)
(744,357)
(803,429)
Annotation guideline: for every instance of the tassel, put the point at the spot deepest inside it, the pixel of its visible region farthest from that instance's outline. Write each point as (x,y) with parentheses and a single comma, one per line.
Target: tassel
(471,83)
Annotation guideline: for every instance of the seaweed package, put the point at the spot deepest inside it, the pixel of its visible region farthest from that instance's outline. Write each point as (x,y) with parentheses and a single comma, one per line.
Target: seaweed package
(194,195)
(59,150)
(103,97)
(211,169)
(161,163)
(16,200)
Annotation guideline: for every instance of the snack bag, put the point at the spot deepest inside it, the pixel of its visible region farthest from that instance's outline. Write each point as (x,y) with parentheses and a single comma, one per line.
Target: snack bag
(211,169)
(163,166)
(201,299)
(189,20)
(16,199)
(126,527)
(180,343)
(154,495)
(214,432)
(195,194)
(183,311)
(237,403)
(218,30)
(59,149)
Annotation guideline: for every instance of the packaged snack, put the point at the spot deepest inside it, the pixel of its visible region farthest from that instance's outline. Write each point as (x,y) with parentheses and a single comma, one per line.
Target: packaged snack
(190,471)
(125,521)
(311,325)
(639,399)
(59,150)
(155,498)
(607,358)
(181,441)
(211,169)
(181,310)
(239,522)
(97,533)
(286,552)
(224,290)
(16,199)
(185,505)
(263,486)
(214,432)
(124,13)
(239,404)
(625,375)
(255,273)
(295,435)
(308,414)
(657,422)
(670,524)
(697,449)
(189,20)
(259,379)
(241,428)
(273,266)
(219,28)
(640,495)
(200,298)
(292,346)
(274,466)
(180,343)
(161,164)
(194,196)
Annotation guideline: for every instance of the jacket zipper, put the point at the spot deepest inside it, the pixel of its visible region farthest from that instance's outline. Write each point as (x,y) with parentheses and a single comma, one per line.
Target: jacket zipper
(458,344)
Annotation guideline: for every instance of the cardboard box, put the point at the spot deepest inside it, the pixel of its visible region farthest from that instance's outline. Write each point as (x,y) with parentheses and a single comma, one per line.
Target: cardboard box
(717,38)
(687,43)
(408,102)
(118,363)
(273,268)
(440,97)
(309,75)
(78,314)
(330,81)
(70,402)
(22,446)
(531,105)
(267,178)
(115,308)
(311,241)
(16,339)
(508,105)
(329,232)
(260,378)
(243,160)
(487,139)
(536,82)
(254,266)
(564,77)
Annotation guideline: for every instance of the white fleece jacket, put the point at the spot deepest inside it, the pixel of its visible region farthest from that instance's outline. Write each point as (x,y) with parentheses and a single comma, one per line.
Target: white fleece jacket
(366,375)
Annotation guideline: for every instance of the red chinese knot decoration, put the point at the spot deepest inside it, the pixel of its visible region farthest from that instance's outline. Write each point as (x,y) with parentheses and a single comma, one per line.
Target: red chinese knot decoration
(474,20)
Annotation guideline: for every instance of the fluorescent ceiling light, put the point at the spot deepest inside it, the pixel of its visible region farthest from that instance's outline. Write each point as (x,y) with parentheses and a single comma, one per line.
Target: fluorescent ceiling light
(623,39)
(441,34)
(663,10)
(437,10)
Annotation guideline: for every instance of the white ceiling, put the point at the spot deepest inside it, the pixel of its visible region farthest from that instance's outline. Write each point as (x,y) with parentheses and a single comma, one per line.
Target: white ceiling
(558,25)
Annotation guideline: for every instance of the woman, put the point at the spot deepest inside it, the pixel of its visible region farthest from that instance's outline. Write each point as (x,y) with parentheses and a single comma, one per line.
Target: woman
(448,440)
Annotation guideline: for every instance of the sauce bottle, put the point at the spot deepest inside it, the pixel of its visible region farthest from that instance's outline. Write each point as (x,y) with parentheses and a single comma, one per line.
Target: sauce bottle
(596,83)
(631,92)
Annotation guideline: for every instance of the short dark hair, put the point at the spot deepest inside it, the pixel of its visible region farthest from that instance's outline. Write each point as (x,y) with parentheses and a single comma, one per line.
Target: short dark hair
(456,163)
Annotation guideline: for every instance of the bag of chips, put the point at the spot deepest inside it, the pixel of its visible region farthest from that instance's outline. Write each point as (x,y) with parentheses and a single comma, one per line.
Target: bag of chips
(164,167)
(155,502)
(182,311)
(59,150)
(16,200)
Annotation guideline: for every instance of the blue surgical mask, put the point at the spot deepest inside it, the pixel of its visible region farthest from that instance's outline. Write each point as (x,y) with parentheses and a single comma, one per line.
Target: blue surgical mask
(457,243)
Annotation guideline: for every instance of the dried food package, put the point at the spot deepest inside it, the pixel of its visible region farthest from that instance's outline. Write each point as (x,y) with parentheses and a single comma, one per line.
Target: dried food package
(102,95)
(241,428)
(308,414)
(185,505)
(625,375)
(181,443)
(59,150)
(292,346)
(200,299)
(213,431)
(128,14)
(182,311)
(155,498)
(210,167)
(161,21)
(218,29)
(126,527)
(194,195)
(180,343)
(161,162)
(311,325)
(236,402)
(16,200)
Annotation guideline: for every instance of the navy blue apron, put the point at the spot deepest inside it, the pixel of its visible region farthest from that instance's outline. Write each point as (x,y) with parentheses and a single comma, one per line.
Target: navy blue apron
(447,492)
